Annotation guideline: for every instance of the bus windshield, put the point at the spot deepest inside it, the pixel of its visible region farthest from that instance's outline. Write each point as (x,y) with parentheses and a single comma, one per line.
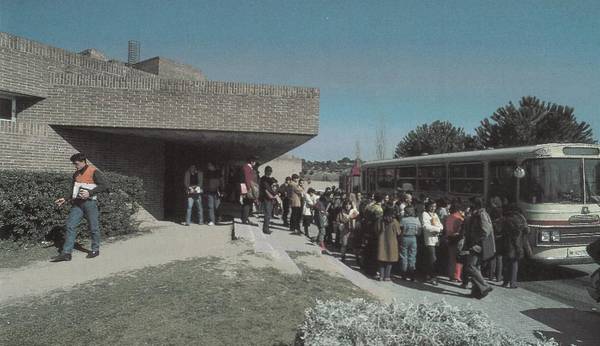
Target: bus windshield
(553,181)
(592,180)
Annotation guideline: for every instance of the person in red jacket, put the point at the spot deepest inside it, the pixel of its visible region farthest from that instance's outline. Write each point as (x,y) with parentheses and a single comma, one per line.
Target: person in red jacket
(249,196)
(88,182)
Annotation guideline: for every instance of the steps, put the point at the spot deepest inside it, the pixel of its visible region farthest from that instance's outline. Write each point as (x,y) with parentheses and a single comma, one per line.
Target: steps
(264,245)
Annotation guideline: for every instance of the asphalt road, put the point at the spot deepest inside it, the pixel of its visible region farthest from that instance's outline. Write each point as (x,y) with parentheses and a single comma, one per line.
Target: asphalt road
(567,284)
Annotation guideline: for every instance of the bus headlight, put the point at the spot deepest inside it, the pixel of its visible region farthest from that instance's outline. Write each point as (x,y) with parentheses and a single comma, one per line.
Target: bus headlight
(545,236)
(555,236)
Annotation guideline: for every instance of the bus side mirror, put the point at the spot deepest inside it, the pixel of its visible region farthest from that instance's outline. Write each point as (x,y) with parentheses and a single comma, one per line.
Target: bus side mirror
(519,172)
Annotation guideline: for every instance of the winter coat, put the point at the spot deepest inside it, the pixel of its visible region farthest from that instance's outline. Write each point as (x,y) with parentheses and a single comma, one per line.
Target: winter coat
(514,230)
(295,193)
(309,204)
(432,227)
(387,246)
(452,227)
(373,215)
(479,235)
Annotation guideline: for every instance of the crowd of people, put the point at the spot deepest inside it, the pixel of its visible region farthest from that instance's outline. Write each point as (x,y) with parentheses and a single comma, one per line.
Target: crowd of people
(417,238)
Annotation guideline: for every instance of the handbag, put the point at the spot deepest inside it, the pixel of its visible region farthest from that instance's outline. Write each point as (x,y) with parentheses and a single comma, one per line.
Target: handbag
(252,191)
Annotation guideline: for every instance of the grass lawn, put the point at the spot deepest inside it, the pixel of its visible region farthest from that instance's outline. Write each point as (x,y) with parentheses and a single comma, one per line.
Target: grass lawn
(197,302)
(15,255)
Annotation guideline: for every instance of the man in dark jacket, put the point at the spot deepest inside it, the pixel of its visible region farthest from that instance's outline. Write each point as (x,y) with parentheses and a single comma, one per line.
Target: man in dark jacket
(88,182)
(285,200)
(479,241)
(515,244)
(267,197)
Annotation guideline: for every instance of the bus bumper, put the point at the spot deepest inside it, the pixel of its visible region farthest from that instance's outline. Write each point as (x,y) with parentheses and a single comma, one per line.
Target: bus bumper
(562,255)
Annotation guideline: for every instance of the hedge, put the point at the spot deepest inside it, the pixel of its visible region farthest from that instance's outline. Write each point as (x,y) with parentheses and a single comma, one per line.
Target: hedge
(360,322)
(28,212)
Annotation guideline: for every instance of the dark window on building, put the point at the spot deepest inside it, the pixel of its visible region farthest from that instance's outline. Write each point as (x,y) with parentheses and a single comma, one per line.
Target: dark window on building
(385,178)
(466,178)
(6,109)
(432,178)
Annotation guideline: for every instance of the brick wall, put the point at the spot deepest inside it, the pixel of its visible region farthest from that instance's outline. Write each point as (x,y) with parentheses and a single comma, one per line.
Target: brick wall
(39,147)
(168,69)
(64,90)
(167,109)
(57,59)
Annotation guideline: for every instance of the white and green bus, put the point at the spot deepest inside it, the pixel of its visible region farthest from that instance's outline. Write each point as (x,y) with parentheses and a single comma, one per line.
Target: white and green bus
(556,185)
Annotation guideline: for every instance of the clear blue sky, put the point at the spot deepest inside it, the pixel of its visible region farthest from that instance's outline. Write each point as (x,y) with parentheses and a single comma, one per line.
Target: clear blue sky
(411,62)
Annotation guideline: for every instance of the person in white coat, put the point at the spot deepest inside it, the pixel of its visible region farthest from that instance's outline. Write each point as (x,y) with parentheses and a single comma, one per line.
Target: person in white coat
(432,228)
(310,201)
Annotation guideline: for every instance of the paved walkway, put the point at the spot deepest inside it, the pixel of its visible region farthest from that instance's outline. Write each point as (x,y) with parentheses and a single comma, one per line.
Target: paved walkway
(518,310)
(165,242)
(521,311)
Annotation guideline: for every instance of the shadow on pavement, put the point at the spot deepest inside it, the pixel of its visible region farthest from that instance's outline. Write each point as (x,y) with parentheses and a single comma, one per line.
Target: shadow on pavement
(429,288)
(532,271)
(574,326)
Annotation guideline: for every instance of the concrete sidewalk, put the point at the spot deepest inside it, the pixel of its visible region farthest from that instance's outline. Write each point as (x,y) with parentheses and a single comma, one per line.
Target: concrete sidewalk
(165,242)
(518,310)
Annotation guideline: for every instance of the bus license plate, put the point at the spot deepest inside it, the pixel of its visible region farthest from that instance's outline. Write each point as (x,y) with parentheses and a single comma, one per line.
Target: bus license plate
(576,252)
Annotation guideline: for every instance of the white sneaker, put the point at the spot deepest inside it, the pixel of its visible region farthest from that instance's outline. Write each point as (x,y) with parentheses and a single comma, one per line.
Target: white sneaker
(211,223)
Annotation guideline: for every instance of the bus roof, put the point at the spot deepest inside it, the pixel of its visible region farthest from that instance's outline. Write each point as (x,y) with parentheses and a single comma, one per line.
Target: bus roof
(532,151)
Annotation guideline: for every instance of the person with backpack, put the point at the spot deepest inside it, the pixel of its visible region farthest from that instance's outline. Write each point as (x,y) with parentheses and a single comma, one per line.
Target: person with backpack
(479,242)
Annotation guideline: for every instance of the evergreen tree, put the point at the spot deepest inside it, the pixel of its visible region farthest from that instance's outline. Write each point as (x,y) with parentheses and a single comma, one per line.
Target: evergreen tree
(436,138)
(533,122)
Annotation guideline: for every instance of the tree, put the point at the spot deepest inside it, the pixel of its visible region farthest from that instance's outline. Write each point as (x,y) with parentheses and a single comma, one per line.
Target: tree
(380,139)
(436,138)
(533,122)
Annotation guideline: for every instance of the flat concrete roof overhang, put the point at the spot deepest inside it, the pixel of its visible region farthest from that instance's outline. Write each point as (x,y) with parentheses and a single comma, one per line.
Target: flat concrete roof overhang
(225,145)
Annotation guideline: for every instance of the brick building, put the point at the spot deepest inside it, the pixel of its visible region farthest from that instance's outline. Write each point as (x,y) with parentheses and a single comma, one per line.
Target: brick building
(152,119)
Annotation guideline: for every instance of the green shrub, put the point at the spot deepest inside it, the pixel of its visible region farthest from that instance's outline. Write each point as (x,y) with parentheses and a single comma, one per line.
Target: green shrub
(359,322)
(28,212)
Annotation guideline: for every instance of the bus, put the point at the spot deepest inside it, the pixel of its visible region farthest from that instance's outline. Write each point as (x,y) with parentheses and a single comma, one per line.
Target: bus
(557,186)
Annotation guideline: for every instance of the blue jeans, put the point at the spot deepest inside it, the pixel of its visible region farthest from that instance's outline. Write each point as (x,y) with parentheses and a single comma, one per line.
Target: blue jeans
(213,201)
(191,201)
(408,254)
(89,210)
(267,212)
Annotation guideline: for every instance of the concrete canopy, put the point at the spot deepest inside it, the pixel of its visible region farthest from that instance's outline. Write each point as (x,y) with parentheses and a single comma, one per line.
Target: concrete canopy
(221,145)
